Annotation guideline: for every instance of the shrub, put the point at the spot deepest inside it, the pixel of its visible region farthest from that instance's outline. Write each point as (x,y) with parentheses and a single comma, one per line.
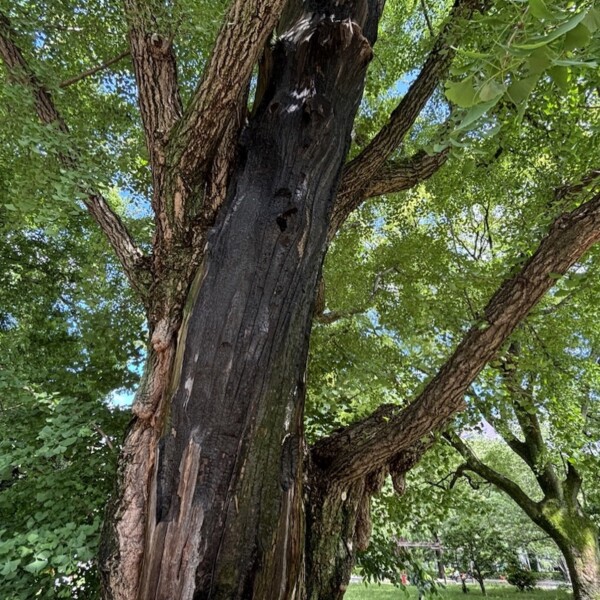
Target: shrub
(523,579)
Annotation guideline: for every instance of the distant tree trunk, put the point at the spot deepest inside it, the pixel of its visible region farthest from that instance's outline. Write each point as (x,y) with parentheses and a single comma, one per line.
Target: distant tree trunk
(439,556)
(581,551)
(479,577)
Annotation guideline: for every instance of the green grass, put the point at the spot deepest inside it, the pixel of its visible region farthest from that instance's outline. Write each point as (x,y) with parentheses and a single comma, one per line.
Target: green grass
(358,591)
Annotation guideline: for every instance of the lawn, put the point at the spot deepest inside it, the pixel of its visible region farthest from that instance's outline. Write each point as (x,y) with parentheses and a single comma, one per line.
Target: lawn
(358,591)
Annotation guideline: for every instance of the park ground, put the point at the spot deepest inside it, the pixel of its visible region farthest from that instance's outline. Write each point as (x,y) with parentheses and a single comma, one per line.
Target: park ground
(358,591)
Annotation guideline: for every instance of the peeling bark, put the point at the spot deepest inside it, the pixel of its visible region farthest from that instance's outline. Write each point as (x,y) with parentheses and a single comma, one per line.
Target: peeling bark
(219,497)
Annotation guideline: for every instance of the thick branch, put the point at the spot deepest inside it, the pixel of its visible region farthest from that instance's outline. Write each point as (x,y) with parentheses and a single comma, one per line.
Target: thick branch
(216,102)
(572,484)
(367,164)
(490,475)
(393,177)
(533,450)
(128,253)
(364,445)
(156,77)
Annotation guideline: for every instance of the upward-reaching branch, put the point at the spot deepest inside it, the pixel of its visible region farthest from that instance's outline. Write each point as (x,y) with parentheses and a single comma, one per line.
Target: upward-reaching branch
(156,77)
(216,101)
(533,449)
(366,165)
(128,253)
(370,443)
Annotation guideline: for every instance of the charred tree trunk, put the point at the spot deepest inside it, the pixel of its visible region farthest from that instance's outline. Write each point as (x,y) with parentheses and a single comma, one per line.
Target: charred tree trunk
(224,505)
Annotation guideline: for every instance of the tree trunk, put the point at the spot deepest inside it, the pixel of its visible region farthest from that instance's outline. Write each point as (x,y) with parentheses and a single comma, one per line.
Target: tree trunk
(577,537)
(338,524)
(583,561)
(223,513)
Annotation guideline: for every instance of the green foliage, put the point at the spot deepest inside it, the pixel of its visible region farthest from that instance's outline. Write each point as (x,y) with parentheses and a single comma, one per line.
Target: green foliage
(523,579)
(57,459)
(407,276)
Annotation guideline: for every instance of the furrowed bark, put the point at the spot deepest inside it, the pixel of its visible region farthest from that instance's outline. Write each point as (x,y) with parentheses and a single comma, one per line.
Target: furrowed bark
(338,524)
(134,263)
(338,521)
(367,444)
(217,100)
(155,71)
(223,509)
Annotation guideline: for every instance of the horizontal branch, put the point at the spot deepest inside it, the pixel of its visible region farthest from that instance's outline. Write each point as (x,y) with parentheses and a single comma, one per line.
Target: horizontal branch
(217,99)
(94,70)
(366,165)
(365,445)
(392,178)
(131,257)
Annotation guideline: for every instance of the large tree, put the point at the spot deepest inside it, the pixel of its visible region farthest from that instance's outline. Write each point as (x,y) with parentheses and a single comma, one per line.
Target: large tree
(217,494)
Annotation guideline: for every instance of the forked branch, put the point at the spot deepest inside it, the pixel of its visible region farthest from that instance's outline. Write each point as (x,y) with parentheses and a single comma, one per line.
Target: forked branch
(217,99)
(508,486)
(359,172)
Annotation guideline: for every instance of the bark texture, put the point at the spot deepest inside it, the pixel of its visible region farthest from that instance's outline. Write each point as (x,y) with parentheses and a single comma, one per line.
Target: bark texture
(224,505)
(217,496)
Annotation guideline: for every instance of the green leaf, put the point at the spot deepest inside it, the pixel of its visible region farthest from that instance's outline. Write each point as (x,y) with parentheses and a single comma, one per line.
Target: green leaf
(36,566)
(492,89)
(578,37)
(540,59)
(539,10)
(560,76)
(476,113)
(558,32)
(462,93)
(519,91)
(592,20)
(10,566)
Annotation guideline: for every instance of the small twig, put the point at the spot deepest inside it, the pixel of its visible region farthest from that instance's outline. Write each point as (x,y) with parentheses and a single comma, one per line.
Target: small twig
(94,70)
(104,436)
(427,19)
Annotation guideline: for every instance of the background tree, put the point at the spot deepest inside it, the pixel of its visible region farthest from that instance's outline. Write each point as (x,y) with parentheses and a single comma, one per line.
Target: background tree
(482,532)
(547,417)
(245,197)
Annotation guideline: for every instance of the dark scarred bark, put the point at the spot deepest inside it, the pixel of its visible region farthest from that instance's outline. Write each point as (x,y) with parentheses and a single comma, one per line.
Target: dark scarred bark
(224,506)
